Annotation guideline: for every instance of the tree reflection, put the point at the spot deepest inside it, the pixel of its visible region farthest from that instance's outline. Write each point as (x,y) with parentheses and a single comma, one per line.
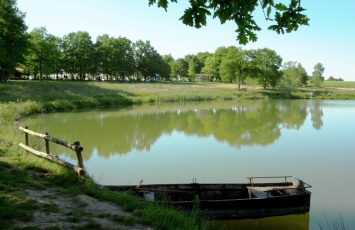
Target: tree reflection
(316,114)
(238,124)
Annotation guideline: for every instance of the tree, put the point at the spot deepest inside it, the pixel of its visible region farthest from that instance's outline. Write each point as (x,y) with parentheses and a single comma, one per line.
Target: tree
(169,62)
(13,38)
(122,59)
(331,78)
(267,64)
(285,18)
(212,63)
(103,50)
(180,68)
(148,60)
(235,66)
(296,74)
(211,67)
(317,74)
(78,52)
(191,72)
(43,53)
(201,58)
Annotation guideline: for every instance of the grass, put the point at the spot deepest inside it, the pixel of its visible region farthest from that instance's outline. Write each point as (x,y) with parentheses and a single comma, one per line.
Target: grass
(20,171)
(339,84)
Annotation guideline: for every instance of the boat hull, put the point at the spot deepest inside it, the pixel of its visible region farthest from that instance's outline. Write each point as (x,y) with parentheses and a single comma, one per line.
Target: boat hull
(248,208)
(224,201)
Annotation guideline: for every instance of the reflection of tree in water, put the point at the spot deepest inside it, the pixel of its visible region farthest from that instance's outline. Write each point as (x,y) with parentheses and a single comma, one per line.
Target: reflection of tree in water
(237,126)
(245,123)
(292,113)
(316,112)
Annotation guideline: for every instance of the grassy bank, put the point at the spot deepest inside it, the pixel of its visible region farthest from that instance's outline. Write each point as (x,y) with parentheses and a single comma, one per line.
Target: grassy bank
(20,171)
(23,98)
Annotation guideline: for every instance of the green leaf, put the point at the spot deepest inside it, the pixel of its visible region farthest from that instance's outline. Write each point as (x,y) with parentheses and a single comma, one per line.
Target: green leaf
(281,7)
(268,11)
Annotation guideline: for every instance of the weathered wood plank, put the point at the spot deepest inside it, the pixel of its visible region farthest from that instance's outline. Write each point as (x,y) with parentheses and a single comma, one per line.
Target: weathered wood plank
(53,158)
(52,139)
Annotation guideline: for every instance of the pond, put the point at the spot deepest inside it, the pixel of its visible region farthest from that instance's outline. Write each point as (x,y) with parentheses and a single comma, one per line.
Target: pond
(222,142)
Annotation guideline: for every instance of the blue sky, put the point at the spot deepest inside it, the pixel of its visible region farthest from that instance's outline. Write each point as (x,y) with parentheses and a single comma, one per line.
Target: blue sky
(329,39)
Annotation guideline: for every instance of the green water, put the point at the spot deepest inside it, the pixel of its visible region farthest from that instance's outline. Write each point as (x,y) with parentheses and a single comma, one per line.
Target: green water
(222,142)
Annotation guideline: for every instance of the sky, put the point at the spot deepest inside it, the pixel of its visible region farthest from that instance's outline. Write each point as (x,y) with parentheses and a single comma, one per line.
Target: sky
(329,39)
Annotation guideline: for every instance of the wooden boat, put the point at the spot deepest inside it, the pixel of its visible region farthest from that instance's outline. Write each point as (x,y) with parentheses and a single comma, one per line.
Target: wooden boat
(230,201)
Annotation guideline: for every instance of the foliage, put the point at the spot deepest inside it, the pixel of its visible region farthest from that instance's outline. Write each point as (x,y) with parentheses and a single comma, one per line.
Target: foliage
(191,72)
(267,64)
(284,18)
(212,63)
(317,74)
(168,62)
(13,38)
(200,60)
(234,66)
(78,52)
(211,67)
(180,68)
(331,78)
(43,56)
(295,73)
(148,61)
(115,56)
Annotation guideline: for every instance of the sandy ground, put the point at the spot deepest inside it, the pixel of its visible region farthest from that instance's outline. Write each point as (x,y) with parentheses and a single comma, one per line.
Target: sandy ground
(59,211)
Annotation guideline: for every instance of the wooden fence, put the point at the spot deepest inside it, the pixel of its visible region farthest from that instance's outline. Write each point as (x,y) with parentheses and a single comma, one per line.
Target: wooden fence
(47,155)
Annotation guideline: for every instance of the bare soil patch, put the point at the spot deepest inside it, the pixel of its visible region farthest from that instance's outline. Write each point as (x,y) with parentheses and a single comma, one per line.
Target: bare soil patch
(56,210)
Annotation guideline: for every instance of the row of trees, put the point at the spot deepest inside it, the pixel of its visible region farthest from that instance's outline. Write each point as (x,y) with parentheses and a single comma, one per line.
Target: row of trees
(76,56)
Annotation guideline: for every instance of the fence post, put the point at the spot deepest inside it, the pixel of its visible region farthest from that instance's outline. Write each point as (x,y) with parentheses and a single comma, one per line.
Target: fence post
(78,150)
(26,138)
(47,144)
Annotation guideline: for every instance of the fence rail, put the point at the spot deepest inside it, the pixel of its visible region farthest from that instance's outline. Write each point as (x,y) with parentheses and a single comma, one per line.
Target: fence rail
(47,155)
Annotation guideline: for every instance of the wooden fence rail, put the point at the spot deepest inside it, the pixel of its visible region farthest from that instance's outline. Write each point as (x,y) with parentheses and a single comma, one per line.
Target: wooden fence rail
(47,155)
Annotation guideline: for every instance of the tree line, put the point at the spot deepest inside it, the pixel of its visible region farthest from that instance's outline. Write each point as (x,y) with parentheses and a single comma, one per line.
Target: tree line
(75,56)
(41,55)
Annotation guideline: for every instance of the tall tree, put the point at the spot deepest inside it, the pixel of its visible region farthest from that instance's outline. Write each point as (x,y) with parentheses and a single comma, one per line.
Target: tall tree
(317,74)
(267,65)
(43,54)
(191,72)
(284,18)
(78,51)
(235,66)
(122,60)
(147,59)
(201,58)
(212,63)
(180,68)
(295,73)
(103,50)
(13,38)
(211,67)
(169,62)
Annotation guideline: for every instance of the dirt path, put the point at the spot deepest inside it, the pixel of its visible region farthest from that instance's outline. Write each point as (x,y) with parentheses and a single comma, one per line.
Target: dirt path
(60,211)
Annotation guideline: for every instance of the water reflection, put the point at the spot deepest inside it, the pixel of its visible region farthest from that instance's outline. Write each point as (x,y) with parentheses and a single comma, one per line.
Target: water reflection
(316,114)
(222,143)
(242,123)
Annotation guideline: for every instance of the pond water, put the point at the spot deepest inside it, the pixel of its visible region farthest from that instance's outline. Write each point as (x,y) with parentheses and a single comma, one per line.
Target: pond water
(223,142)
